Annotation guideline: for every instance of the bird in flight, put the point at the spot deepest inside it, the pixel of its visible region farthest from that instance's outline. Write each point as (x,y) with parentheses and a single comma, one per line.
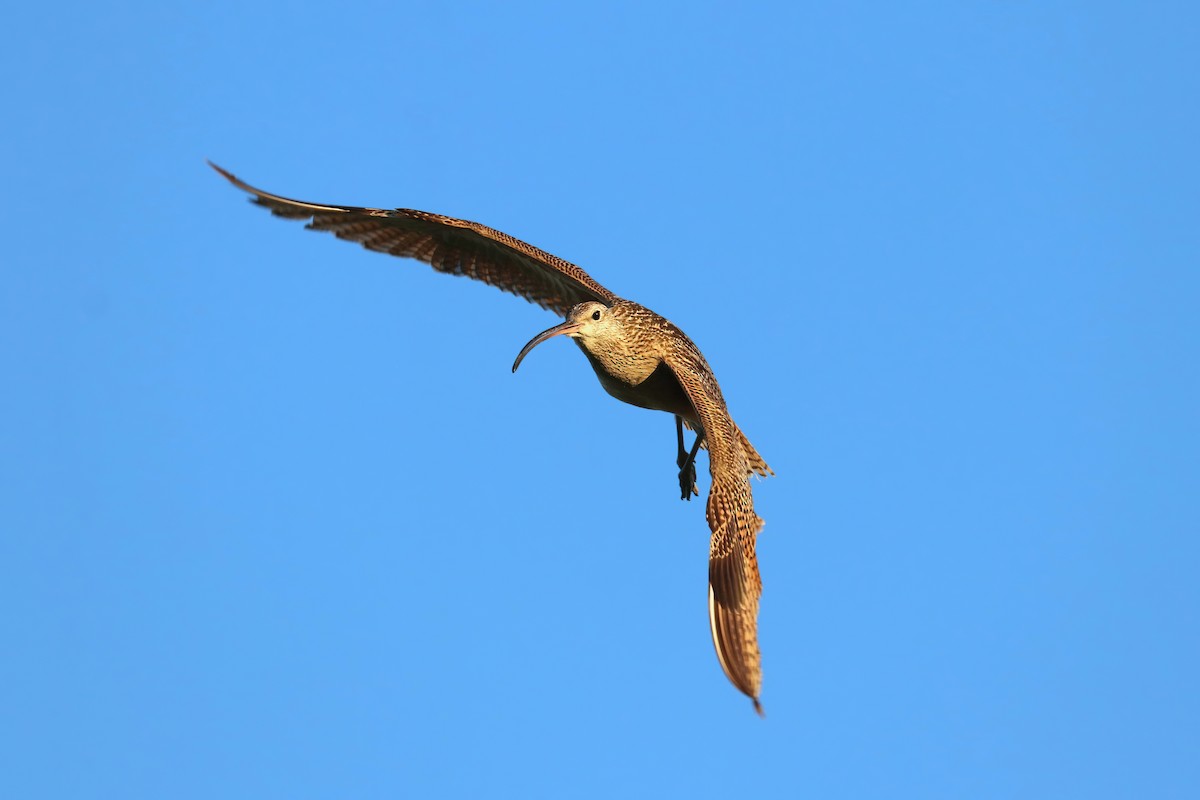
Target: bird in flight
(639,357)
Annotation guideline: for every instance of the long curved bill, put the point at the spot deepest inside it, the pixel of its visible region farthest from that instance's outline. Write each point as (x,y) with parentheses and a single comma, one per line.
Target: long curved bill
(566,327)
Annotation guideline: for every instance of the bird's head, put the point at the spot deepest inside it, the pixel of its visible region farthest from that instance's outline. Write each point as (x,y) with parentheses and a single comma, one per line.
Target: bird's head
(591,323)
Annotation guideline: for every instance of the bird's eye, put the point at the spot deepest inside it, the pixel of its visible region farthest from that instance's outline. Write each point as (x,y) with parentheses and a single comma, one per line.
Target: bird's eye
(595,315)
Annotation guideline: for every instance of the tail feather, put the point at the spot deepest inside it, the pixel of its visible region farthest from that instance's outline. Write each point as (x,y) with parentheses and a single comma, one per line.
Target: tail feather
(756,463)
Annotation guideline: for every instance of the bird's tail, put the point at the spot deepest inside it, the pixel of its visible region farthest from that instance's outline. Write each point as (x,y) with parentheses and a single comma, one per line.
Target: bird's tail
(753,460)
(756,464)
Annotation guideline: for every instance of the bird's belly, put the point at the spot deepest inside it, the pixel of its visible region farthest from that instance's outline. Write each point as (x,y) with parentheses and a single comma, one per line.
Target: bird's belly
(660,391)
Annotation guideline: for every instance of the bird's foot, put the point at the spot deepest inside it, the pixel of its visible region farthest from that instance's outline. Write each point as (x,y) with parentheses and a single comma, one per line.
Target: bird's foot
(687,481)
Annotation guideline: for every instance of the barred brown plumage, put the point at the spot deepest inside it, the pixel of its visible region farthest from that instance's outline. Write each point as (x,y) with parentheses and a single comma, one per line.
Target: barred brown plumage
(639,357)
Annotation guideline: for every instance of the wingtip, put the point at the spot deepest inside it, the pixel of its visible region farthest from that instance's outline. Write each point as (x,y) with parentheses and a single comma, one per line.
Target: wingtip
(758,708)
(224,173)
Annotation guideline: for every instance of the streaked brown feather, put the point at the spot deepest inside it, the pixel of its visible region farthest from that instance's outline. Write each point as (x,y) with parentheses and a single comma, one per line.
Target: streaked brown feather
(754,462)
(450,245)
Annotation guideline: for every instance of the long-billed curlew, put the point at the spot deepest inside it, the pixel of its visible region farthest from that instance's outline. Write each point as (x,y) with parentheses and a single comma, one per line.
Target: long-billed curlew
(639,357)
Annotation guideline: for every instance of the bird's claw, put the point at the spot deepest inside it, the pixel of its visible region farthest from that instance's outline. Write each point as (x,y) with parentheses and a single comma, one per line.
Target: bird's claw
(687,482)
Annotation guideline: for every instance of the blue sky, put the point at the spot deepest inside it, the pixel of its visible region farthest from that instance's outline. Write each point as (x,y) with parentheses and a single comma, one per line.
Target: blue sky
(279,522)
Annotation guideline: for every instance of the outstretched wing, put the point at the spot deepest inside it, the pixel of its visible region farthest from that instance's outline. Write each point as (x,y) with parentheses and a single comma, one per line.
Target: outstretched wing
(734,584)
(453,246)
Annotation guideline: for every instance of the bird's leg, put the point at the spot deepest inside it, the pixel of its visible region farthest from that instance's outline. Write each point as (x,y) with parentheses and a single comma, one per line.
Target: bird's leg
(686,462)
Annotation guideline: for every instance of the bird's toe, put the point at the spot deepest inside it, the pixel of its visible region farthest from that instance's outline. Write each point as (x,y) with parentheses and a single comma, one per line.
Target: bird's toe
(687,483)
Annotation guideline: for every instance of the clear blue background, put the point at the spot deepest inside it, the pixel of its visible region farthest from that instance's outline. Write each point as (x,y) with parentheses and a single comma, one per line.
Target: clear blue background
(279,522)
